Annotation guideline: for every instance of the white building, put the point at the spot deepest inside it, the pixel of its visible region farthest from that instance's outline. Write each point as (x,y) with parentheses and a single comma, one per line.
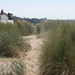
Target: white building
(6,18)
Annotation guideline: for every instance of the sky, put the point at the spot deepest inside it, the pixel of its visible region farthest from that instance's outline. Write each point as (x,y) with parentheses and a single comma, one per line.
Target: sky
(52,9)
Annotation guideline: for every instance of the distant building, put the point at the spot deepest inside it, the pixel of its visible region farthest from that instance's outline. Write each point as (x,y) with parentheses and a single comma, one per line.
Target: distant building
(6,18)
(44,18)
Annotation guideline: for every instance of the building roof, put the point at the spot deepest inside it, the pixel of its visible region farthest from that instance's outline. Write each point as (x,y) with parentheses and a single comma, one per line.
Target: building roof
(4,14)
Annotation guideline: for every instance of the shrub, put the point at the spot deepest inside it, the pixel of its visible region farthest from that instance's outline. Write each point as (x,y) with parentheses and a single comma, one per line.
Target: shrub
(38,29)
(58,56)
(25,28)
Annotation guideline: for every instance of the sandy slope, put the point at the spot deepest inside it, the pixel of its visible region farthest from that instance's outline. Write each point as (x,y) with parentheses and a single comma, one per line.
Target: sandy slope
(32,57)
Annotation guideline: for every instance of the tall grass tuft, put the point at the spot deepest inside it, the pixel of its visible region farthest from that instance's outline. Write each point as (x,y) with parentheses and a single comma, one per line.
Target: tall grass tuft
(25,28)
(58,51)
(10,40)
(39,29)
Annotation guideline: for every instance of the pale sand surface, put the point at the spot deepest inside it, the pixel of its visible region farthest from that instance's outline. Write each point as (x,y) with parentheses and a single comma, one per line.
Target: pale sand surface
(32,62)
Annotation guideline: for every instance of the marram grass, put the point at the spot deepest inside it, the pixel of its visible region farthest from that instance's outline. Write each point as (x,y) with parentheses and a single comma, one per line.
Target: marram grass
(58,51)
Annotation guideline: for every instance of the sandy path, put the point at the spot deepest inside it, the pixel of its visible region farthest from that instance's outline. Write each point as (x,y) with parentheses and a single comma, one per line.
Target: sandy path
(32,57)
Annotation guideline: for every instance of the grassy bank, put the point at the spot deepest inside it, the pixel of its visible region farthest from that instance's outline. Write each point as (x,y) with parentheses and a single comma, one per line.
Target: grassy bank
(11,40)
(58,51)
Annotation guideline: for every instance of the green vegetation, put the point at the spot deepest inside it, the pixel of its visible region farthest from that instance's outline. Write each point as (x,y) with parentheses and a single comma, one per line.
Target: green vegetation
(25,28)
(58,51)
(34,21)
(44,26)
(10,40)
(13,44)
(38,29)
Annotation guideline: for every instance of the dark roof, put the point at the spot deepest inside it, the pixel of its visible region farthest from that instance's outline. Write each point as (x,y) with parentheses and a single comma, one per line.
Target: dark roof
(5,14)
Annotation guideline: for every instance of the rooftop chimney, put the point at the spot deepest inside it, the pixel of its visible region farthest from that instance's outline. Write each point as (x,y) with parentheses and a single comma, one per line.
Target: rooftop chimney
(2,12)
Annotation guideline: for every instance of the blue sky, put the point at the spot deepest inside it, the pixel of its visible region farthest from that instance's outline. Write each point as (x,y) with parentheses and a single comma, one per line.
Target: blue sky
(52,9)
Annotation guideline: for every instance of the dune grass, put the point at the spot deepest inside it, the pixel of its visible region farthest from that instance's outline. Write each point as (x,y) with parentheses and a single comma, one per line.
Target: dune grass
(10,40)
(58,51)
(25,28)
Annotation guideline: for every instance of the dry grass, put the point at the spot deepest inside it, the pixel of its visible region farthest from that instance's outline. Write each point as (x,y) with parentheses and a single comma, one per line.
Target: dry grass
(11,67)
